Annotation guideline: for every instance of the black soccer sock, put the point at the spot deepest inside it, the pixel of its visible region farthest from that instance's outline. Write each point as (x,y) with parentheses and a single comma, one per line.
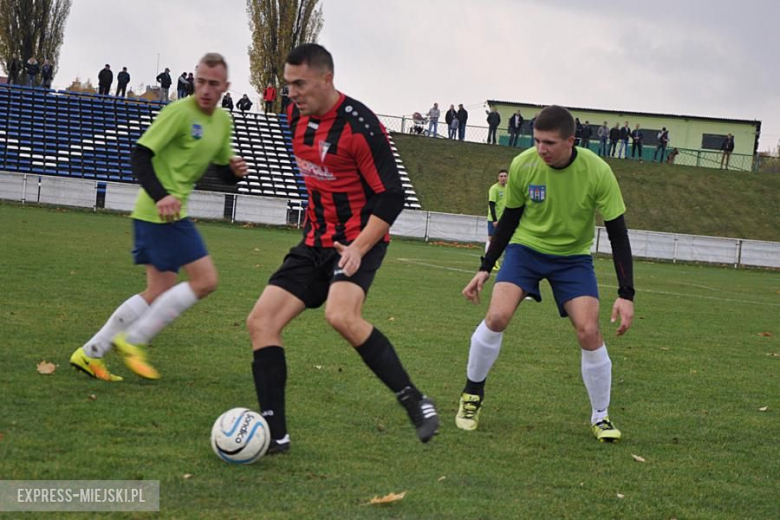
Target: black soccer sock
(475,388)
(269,369)
(380,356)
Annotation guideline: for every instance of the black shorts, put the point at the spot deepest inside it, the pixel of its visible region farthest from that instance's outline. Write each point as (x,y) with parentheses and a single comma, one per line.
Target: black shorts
(307,272)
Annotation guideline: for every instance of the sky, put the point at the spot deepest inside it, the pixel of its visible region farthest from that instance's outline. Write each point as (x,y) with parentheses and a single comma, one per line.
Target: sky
(710,58)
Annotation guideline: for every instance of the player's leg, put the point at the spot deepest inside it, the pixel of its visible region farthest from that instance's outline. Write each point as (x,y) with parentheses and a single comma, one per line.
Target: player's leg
(275,308)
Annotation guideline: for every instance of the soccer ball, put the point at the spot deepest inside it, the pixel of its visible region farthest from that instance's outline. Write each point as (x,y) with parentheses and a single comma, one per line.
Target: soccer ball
(240,436)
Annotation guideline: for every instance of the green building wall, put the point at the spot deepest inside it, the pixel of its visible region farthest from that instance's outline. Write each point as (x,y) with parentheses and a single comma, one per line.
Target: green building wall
(684,131)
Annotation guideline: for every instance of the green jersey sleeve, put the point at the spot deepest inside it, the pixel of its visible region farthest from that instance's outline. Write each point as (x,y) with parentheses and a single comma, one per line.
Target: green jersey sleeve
(609,200)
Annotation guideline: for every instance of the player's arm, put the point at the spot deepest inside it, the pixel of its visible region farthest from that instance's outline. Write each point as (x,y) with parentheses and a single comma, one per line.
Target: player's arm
(624,268)
(503,232)
(492,205)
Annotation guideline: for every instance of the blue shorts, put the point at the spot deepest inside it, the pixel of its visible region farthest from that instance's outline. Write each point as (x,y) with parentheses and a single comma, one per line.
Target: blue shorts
(491,228)
(167,246)
(569,276)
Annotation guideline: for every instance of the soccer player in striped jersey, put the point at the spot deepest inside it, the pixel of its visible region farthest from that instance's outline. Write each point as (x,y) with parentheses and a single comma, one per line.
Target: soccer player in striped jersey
(355,194)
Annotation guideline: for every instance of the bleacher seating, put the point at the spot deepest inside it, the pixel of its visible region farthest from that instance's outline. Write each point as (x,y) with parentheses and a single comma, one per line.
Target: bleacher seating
(91,136)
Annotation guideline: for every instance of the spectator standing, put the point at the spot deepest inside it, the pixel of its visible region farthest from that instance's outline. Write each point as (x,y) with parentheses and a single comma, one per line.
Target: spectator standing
(164,79)
(244,104)
(587,133)
(515,128)
(493,120)
(454,127)
(285,93)
(727,147)
(636,142)
(448,118)
(625,132)
(14,68)
(614,137)
(47,74)
(433,120)
(227,102)
(105,78)
(122,80)
(181,86)
(269,96)
(577,131)
(463,117)
(190,84)
(663,141)
(603,134)
(32,68)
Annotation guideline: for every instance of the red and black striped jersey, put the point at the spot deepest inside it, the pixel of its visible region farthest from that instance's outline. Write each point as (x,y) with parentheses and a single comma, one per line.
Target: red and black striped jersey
(346,162)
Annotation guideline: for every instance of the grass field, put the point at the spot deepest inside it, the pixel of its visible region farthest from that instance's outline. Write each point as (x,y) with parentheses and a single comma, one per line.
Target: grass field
(454,177)
(690,382)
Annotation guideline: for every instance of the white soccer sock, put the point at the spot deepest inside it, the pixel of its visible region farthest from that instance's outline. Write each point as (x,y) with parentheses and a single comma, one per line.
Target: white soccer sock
(166,308)
(485,346)
(597,375)
(127,313)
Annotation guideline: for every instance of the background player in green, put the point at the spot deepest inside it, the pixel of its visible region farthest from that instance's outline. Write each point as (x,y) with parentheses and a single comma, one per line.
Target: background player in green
(556,189)
(174,152)
(495,204)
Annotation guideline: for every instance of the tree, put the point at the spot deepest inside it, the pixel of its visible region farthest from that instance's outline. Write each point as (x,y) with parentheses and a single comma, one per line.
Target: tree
(278,26)
(32,28)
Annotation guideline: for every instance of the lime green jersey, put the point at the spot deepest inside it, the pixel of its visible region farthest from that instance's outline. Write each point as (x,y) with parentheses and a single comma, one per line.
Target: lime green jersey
(497,194)
(184,141)
(560,204)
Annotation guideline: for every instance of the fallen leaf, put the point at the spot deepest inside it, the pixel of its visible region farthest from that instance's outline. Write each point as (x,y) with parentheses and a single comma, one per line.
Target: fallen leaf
(187,476)
(46,368)
(621,496)
(73,272)
(773,354)
(664,348)
(390,319)
(1,436)
(763,409)
(638,458)
(388,499)
(442,478)
(693,372)
(92,397)
(765,334)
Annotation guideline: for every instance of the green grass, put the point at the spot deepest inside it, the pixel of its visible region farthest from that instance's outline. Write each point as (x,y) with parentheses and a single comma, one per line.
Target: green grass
(454,177)
(689,380)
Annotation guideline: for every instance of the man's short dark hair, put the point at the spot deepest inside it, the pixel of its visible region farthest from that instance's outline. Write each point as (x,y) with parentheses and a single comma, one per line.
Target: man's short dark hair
(311,54)
(556,118)
(502,170)
(212,59)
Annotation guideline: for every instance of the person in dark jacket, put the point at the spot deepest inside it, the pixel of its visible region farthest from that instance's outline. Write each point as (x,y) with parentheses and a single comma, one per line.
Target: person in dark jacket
(164,79)
(727,147)
(227,102)
(47,74)
(587,133)
(32,68)
(190,84)
(181,86)
(105,78)
(14,68)
(285,95)
(625,133)
(493,120)
(462,116)
(244,104)
(122,80)
(636,142)
(515,128)
(614,137)
(448,117)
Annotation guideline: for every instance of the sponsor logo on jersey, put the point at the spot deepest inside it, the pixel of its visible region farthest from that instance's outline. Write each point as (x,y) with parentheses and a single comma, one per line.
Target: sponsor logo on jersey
(197,130)
(315,171)
(537,193)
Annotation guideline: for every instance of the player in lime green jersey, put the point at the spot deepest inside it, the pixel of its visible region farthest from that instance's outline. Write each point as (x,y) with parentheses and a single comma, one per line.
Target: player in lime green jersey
(547,228)
(174,152)
(495,204)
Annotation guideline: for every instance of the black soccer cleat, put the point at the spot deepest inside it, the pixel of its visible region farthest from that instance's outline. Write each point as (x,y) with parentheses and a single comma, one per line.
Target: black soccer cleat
(422,412)
(276,447)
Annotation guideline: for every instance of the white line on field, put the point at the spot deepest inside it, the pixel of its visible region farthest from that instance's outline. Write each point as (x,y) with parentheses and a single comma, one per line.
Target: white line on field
(650,291)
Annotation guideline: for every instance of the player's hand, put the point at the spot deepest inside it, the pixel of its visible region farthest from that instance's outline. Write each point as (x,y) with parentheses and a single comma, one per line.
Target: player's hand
(625,309)
(239,167)
(169,208)
(474,287)
(350,258)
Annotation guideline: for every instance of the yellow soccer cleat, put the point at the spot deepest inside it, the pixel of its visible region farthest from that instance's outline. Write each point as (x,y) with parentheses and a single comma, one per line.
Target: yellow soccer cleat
(605,431)
(468,412)
(134,357)
(93,367)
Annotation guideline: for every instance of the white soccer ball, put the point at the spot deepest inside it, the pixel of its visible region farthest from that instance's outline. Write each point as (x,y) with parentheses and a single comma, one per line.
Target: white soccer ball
(240,436)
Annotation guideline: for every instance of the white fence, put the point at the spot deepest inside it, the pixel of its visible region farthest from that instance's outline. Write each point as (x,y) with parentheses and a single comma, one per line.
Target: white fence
(426,225)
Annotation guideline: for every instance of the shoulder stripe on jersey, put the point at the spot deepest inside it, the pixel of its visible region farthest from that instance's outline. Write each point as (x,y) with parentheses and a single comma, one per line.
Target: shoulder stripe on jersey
(334,134)
(311,129)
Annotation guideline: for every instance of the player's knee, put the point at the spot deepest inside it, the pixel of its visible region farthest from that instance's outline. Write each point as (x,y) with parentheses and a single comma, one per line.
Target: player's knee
(588,334)
(338,319)
(258,323)
(497,321)
(205,285)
